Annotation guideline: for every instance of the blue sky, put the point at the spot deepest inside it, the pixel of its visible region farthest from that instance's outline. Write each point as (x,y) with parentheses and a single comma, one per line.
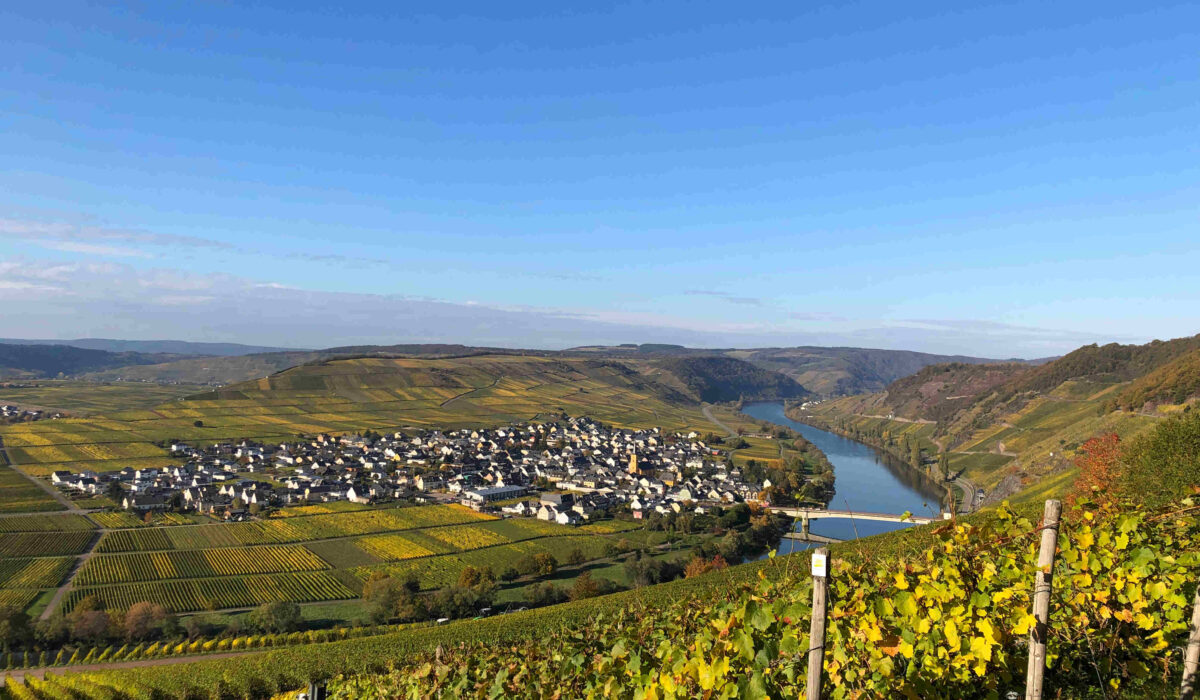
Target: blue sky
(1007,179)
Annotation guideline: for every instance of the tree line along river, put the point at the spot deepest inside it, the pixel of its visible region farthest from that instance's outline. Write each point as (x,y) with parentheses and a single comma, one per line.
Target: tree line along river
(865,480)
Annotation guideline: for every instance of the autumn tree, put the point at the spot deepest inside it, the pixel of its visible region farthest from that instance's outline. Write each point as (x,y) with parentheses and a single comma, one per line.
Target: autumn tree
(142,618)
(1098,461)
(700,565)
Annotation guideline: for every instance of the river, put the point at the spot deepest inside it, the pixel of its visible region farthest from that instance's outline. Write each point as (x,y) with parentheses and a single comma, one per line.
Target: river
(866,480)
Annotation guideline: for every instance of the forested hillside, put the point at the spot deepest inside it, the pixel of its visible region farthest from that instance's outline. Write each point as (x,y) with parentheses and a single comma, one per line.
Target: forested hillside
(43,361)
(842,371)
(1176,382)
(716,379)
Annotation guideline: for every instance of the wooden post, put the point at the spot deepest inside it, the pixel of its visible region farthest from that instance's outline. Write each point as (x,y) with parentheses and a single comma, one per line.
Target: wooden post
(1191,655)
(317,691)
(1041,601)
(816,633)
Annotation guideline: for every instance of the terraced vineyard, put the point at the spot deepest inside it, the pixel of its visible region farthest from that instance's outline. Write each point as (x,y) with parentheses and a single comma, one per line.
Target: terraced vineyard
(46,523)
(200,563)
(228,592)
(287,530)
(44,544)
(305,558)
(33,573)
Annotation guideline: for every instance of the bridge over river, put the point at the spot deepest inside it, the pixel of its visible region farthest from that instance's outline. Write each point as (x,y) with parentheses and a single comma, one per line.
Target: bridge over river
(805,514)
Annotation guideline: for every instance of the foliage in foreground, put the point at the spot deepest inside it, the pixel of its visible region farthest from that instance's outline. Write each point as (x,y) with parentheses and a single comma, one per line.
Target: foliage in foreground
(950,624)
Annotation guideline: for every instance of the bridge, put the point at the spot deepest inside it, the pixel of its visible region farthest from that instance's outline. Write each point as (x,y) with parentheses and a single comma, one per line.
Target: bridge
(811,537)
(806,514)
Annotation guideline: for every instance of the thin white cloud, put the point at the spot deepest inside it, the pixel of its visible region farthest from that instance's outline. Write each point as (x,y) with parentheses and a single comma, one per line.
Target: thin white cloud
(94,249)
(112,299)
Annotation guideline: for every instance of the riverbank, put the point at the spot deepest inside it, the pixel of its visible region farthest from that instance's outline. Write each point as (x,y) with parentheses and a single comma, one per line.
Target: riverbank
(958,491)
(865,480)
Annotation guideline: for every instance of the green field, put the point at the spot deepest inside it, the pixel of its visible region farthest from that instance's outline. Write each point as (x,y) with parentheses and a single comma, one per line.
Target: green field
(305,558)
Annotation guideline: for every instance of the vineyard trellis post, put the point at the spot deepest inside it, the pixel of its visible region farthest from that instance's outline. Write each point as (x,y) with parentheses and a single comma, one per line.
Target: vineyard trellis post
(1191,654)
(816,634)
(1041,601)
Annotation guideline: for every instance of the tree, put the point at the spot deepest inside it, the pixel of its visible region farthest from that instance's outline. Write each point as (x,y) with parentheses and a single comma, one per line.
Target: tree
(916,454)
(480,580)
(943,465)
(1163,463)
(114,491)
(412,584)
(576,557)
(700,565)
(587,587)
(90,626)
(15,631)
(544,563)
(544,594)
(277,616)
(141,620)
(380,595)
(1098,461)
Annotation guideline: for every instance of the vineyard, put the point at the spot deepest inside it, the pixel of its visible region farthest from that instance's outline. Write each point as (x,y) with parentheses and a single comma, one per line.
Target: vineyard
(44,544)
(18,495)
(33,573)
(124,519)
(127,568)
(287,530)
(46,523)
(949,622)
(186,595)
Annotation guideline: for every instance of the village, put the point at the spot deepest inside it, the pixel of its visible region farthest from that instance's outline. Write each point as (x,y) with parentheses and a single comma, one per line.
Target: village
(11,413)
(564,471)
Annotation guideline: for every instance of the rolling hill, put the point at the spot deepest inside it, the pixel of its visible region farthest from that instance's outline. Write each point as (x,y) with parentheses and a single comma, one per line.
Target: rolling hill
(1009,426)
(351,395)
(820,371)
(173,347)
(43,361)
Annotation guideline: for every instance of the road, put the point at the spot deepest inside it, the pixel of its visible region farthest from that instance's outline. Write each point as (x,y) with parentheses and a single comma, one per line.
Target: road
(713,419)
(969,490)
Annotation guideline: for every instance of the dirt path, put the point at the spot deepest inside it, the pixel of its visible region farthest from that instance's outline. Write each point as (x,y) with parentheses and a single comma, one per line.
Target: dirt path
(898,419)
(69,581)
(448,401)
(713,419)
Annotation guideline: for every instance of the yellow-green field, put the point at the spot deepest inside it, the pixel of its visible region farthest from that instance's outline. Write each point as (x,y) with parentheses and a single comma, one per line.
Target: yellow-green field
(353,395)
(86,398)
